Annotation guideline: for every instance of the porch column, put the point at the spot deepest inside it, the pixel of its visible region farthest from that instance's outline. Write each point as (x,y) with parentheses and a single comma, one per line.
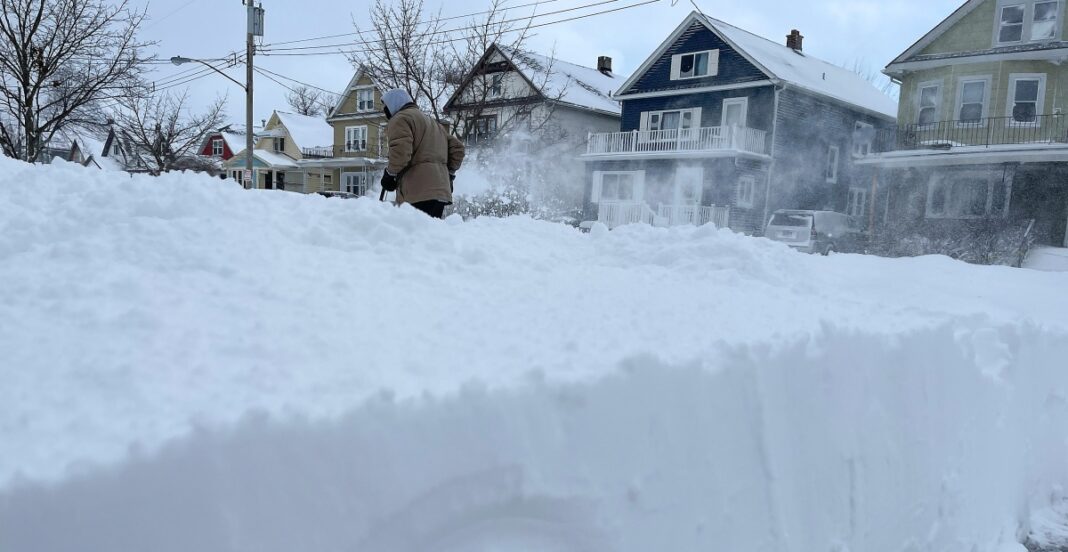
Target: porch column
(874,192)
(304,180)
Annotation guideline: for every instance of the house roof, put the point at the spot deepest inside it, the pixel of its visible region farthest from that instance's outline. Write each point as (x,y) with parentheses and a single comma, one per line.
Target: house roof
(785,65)
(804,71)
(348,90)
(307,132)
(579,86)
(938,31)
(268,157)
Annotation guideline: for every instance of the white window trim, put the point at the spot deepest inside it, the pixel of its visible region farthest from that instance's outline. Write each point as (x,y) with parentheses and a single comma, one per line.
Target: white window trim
(343,186)
(740,198)
(348,143)
(836,153)
(941,84)
(987,80)
(744,102)
(857,142)
(598,180)
(221,148)
(713,65)
(1028,21)
(862,193)
(979,176)
(489,85)
(695,118)
(1011,96)
(365,88)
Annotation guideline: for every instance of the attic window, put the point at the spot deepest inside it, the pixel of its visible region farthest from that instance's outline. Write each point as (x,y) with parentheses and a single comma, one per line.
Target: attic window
(1033,20)
(365,99)
(695,65)
(217,147)
(496,85)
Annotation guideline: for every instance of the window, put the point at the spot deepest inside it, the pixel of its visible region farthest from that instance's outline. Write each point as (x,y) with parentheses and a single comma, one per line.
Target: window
(1026,96)
(355,138)
(354,183)
(1031,20)
(217,147)
(496,85)
(971,99)
(365,99)
(863,138)
(280,144)
(832,164)
(1012,24)
(695,65)
(327,182)
(930,103)
(615,186)
(481,128)
(672,120)
(961,195)
(858,202)
(746,191)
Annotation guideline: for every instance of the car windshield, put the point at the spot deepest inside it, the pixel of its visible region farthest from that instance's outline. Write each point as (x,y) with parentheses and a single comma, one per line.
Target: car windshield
(786,219)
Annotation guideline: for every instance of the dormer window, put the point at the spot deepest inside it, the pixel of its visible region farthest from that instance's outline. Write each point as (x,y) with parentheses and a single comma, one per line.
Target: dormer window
(695,65)
(1027,21)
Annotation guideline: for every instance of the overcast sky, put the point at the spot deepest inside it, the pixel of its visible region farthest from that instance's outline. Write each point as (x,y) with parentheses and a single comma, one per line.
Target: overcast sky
(840,31)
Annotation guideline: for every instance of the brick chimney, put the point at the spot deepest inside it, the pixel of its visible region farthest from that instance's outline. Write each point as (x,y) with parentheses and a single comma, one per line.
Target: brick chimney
(604,64)
(795,41)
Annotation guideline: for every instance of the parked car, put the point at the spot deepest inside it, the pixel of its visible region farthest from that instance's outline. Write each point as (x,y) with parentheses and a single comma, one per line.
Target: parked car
(816,231)
(344,195)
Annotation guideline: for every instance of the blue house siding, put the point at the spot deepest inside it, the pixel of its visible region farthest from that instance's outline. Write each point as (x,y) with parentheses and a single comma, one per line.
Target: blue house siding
(720,185)
(733,67)
(761,107)
(808,126)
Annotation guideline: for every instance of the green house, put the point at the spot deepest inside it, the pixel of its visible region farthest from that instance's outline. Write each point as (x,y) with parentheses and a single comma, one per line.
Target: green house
(981,148)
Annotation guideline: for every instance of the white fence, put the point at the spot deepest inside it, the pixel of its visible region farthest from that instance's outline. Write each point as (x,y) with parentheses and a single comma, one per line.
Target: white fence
(679,140)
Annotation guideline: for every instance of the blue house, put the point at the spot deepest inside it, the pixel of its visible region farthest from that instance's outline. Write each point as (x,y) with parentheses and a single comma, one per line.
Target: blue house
(720,125)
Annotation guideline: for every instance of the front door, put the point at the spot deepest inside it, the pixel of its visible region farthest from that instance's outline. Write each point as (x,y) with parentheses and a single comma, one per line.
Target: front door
(735,112)
(268,180)
(354,183)
(689,185)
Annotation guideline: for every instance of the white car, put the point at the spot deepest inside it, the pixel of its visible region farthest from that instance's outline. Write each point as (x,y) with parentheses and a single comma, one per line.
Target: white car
(815,231)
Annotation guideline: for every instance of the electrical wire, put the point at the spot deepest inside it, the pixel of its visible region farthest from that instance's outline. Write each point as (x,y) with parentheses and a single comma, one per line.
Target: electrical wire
(448,31)
(448,41)
(291,79)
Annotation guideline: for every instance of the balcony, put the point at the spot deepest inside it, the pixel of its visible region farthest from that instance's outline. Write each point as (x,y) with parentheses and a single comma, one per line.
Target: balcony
(352,149)
(696,140)
(981,133)
(319,152)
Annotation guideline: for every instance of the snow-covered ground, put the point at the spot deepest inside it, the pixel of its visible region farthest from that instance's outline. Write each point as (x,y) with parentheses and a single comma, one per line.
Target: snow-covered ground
(189,366)
(1050,259)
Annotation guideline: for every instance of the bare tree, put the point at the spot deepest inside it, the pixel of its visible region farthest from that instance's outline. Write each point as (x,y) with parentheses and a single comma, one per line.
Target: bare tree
(412,49)
(885,84)
(59,59)
(309,101)
(165,132)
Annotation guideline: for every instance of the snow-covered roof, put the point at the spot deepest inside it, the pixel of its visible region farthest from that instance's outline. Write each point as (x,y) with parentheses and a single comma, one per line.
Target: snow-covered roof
(805,71)
(307,132)
(574,84)
(272,158)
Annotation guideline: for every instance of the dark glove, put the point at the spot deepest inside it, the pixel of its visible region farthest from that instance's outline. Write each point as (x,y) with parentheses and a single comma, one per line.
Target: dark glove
(389,182)
(452,182)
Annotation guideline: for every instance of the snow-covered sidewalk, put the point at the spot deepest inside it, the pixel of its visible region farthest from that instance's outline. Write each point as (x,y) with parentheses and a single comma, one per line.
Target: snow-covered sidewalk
(212,368)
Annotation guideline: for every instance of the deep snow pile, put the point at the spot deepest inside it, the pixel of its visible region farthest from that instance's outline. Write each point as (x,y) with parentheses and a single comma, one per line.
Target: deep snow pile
(190,366)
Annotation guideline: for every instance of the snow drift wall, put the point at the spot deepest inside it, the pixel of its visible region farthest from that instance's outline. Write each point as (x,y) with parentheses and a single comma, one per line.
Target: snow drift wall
(193,367)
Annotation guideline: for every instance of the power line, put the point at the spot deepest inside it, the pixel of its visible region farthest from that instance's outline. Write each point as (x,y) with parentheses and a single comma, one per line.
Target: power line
(448,41)
(451,18)
(299,82)
(449,31)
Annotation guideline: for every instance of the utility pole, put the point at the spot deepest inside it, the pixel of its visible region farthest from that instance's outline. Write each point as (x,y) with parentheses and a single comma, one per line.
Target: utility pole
(255,28)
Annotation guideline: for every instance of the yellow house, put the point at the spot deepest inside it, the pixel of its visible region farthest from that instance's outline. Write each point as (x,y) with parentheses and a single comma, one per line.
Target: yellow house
(358,126)
(282,152)
(341,153)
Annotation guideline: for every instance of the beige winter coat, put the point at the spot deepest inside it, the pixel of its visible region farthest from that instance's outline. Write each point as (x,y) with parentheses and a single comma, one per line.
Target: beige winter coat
(422,154)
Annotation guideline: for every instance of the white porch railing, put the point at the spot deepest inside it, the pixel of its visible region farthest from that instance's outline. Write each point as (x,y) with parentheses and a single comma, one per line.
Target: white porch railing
(678,141)
(696,215)
(318,152)
(616,214)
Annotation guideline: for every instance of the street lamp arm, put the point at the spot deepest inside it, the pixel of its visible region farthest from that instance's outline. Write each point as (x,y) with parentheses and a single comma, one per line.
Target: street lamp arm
(178,60)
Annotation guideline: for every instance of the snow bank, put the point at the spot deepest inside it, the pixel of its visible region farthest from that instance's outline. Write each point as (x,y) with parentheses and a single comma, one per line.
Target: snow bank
(188,365)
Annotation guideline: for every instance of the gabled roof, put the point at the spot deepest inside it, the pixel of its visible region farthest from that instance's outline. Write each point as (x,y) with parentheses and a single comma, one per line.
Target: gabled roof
(784,65)
(345,94)
(307,132)
(267,157)
(938,31)
(566,83)
(575,85)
